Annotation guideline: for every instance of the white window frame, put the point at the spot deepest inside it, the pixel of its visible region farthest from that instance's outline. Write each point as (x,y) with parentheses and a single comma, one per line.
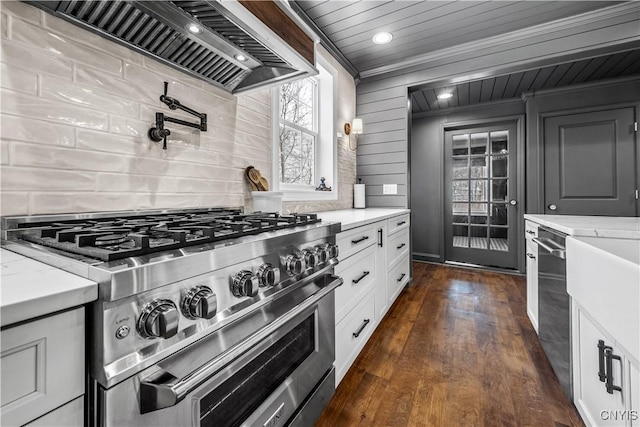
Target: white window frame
(326,153)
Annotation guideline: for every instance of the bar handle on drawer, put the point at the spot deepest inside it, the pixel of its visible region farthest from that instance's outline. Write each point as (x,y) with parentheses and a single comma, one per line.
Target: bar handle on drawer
(365,274)
(401,246)
(357,333)
(609,356)
(362,239)
(601,372)
(402,223)
(401,277)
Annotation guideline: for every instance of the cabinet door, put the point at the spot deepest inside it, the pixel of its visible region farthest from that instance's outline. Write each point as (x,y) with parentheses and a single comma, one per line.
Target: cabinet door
(595,404)
(382,300)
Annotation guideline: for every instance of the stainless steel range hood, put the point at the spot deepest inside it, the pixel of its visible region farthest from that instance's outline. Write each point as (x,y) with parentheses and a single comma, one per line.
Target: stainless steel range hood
(273,46)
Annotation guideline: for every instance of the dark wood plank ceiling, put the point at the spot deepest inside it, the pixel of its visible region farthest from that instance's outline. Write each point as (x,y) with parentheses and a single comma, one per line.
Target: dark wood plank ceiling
(513,85)
(422,27)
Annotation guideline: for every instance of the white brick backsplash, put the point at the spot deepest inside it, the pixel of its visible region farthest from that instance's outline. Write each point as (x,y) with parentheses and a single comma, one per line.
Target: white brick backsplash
(85,96)
(39,179)
(19,104)
(151,85)
(25,129)
(14,203)
(131,126)
(36,60)
(4,152)
(35,37)
(4,26)
(18,79)
(115,85)
(103,141)
(32,155)
(76,109)
(70,202)
(21,10)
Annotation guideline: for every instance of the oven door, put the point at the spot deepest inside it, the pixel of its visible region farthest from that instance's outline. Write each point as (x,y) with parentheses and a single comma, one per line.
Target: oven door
(266,379)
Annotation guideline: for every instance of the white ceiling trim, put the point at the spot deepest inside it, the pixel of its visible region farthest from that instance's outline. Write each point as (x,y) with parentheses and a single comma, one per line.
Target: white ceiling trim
(514,36)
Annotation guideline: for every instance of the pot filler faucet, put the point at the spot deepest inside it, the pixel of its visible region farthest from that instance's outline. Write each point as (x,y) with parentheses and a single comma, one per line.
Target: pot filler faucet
(159,133)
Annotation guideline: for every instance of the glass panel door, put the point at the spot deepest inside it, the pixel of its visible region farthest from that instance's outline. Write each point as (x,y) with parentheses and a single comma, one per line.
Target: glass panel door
(481,174)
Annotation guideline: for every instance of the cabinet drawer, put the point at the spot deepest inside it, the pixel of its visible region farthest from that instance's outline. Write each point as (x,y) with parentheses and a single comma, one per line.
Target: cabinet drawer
(352,333)
(42,366)
(359,274)
(398,278)
(397,223)
(352,241)
(397,247)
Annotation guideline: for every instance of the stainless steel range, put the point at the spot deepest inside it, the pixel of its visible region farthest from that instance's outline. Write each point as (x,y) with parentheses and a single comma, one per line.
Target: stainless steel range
(205,317)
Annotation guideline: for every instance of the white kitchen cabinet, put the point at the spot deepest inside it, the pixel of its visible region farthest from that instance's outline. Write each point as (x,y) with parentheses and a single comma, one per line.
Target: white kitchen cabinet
(362,297)
(598,405)
(531,231)
(352,334)
(43,368)
(602,280)
(375,267)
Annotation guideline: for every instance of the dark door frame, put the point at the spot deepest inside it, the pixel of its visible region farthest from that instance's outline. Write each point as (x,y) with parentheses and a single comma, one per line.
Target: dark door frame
(520,176)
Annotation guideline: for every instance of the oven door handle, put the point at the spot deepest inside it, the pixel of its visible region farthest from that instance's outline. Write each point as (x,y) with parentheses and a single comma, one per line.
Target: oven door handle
(163,390)
(556,252)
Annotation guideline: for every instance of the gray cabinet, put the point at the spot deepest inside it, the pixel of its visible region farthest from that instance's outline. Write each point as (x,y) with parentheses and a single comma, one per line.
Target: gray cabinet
(43,369)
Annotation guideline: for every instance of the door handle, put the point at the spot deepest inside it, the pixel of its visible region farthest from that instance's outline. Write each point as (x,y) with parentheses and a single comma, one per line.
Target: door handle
(552,207)
(513,202)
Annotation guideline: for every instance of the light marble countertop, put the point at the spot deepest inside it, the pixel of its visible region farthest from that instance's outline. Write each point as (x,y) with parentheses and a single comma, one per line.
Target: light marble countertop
(591,226)
(30,289)
(352,218)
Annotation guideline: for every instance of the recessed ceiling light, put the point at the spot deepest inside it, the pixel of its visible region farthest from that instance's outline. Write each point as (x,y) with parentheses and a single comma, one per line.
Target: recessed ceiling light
(240,57)
(445,95)
(382,38)
(195,29)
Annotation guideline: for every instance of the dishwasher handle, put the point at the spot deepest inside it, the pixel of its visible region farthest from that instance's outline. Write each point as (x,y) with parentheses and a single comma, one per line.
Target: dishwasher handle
(545,244)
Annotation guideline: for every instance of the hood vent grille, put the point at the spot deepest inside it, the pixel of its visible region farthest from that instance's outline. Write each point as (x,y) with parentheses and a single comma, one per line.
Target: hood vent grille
(215,21)
(158,29)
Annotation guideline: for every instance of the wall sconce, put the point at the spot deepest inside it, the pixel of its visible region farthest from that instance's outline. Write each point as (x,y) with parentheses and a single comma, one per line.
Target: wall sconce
(355,128)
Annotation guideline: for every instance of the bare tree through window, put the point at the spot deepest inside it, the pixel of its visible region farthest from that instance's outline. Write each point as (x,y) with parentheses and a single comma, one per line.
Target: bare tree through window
(298,131)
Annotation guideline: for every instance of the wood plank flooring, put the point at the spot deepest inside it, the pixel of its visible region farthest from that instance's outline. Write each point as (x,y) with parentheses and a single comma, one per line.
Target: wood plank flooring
(456,349)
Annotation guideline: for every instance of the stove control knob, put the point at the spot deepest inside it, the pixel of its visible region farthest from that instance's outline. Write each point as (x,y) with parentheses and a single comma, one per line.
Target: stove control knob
(332,250)
(159,319)
(268,275)
(321,254)
(294,265)
(245,284)
(310,258)
(199,303)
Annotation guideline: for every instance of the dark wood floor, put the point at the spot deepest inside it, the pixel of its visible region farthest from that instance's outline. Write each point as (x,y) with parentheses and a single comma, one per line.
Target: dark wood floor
(456,349)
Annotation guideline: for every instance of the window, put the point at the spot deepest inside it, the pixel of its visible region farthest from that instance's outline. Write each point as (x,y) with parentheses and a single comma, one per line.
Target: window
(304,136)
(297,138)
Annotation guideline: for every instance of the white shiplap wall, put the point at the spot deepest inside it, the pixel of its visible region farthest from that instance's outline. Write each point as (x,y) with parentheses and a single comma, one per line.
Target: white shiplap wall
(382,99)
(76,109)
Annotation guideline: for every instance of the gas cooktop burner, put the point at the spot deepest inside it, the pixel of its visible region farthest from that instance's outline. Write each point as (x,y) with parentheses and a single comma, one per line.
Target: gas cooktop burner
(120,237)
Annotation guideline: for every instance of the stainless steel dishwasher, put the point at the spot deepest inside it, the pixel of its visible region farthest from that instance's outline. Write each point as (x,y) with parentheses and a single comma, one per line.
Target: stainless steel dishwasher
(554,305)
